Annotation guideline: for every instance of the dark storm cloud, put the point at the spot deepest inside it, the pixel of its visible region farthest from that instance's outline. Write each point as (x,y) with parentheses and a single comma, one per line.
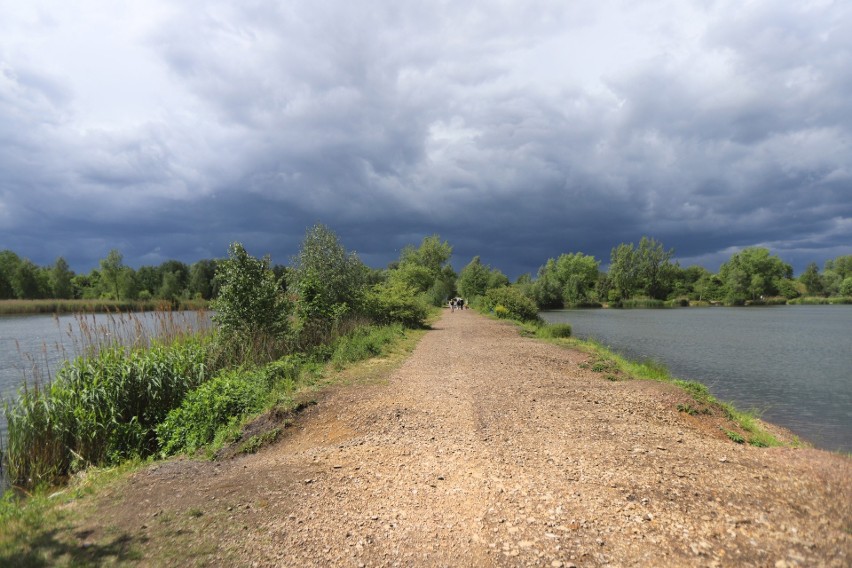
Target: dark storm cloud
(516,132)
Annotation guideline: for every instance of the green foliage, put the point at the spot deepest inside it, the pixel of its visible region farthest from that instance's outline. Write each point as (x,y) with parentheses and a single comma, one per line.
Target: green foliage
(752,273)
(518,306)
(570,280)
(554,330)
(396,302)
(222,401)
(99,409)
(646,270)
(329,283)
(473,279)
(363,343)
(251,310)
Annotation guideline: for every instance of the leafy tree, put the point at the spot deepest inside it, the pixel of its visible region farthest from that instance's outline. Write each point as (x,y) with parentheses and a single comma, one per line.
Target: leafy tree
(202,275)
(328,280)
(812,280)
(111,269)
(578,276)
(149,280)
(61,277)
(426,269)
(9,262)
(250,301)
(623,271)
(646,269)
(752,273)
(473,279)
(26,282)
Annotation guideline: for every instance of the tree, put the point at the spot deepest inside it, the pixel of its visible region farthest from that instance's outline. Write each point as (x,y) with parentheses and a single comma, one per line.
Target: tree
(812,280)
(111,268)
(426,269)
(623,272)
(753,273)
(26,282)
(654,268)
(328,280)
(577,275)
(202,276)
(61,278)
(473,279)
(250,301)
(9,262)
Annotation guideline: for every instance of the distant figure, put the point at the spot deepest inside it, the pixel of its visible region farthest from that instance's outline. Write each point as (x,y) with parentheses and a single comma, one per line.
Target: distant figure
(460,303)
(453,305)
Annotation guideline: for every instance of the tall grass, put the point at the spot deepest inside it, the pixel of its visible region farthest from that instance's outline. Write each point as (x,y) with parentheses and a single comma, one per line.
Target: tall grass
(100,409)
(102,405)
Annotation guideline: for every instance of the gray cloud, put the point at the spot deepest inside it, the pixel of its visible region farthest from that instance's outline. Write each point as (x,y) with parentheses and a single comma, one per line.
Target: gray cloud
(516,132)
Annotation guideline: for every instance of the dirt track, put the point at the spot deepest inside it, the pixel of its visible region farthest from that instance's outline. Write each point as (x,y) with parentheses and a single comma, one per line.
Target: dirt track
(489,449)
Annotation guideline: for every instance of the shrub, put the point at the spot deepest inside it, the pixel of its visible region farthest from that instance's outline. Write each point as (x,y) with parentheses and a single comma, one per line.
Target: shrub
(220,402)
(519,306)
(251,309)
(396,302)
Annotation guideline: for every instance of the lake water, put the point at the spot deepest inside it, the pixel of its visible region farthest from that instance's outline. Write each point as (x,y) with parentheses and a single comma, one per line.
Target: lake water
(791,363)
(33,347)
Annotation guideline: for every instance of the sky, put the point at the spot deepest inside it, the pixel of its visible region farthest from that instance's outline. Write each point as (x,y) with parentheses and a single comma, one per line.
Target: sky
(515,130)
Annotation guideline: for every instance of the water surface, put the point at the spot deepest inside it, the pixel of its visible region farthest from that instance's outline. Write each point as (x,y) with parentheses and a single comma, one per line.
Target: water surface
(791,363)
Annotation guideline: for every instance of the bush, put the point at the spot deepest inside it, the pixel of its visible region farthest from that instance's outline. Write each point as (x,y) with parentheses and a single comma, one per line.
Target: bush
(251,309)
(517,305)
(221,402)
(396,302)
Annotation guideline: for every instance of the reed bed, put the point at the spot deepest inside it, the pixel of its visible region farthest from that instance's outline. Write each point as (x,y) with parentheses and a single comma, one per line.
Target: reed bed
(102,405)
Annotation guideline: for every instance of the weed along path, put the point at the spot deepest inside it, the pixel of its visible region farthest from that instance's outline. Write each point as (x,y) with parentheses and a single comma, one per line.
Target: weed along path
(485,448)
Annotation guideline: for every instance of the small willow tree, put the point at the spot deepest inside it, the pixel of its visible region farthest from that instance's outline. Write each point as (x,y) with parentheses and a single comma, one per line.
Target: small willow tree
(252,310)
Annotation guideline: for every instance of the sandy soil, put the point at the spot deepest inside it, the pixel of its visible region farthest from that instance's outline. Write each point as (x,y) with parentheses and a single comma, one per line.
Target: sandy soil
(487,449)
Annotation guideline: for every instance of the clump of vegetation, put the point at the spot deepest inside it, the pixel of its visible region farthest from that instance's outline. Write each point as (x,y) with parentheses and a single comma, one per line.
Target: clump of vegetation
(99,409)
(515,305)
(554,331)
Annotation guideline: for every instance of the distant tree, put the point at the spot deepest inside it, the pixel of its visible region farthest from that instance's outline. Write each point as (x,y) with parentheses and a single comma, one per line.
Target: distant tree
(578,276)
(111,269)
(752,273)
(812,280)
(26,282)
(202,276)
(61,277)
(473,279)
(149,280)
(179,281)
(623,272)
(426,269)
(9,262)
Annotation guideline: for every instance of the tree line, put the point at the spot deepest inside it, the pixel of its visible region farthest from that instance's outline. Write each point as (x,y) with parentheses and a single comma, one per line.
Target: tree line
(636,272)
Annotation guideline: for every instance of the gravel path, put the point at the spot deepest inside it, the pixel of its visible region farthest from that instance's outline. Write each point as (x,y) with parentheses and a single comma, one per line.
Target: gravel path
(489,449)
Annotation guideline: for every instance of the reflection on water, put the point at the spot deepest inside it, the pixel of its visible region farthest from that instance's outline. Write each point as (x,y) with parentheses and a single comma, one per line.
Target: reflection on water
(791,363)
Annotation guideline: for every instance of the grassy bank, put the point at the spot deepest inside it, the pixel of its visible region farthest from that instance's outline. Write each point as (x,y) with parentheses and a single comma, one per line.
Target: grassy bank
(24,307)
